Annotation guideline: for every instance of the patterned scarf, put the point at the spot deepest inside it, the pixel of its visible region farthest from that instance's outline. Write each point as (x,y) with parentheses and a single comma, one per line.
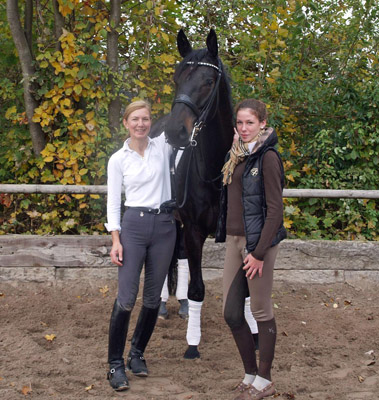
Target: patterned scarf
(238,152)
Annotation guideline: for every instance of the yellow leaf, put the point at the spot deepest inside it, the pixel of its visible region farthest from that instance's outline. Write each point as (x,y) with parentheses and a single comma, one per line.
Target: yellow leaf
(90,115)
(167,89)
(67,113)
(274,26)
(11,111)
(88,388)
(165,37)
(293,148)
(48,159)
(283,32)
(83,171)
(104,290)
(95,196)
(83,205)
(50,338)
(78,196)
(290,178)
(26,390)
(140,83)
(78,89)
(287,223)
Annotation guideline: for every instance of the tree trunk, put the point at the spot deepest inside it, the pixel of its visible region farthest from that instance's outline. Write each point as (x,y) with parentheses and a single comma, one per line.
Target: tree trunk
(59,24)
(114,108)
(28,23)
(26,61)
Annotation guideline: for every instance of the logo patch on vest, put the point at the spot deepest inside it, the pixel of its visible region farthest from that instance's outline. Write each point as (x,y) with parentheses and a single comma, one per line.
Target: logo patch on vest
(254,171)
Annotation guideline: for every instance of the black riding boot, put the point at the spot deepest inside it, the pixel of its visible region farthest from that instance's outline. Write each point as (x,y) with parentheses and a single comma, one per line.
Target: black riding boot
(118,329)
(144,329)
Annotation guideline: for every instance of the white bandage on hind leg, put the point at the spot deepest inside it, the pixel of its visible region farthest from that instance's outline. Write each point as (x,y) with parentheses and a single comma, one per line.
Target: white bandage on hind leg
(182,287)
(194,318)
(249,317)
(164,294)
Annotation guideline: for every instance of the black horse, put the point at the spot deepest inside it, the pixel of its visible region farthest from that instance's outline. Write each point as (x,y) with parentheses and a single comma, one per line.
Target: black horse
(200,124)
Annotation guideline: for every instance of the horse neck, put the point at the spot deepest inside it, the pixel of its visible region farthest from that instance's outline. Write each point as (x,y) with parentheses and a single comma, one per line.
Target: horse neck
(219,135)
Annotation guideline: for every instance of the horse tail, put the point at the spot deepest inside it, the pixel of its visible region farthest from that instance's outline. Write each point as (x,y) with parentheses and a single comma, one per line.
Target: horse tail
(180,252)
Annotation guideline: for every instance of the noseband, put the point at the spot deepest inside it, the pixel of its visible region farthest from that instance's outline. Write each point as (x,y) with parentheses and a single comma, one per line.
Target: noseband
(201,115)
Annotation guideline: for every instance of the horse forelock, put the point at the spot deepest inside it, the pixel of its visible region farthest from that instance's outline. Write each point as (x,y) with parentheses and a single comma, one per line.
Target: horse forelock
(195,56)
(203,55)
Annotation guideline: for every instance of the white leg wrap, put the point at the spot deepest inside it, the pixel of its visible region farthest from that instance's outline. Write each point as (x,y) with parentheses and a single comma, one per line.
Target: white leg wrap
(194,318)
(182,287)
(249,317)
(164,294)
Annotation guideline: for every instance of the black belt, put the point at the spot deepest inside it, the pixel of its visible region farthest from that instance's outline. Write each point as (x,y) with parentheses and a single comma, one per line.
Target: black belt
(156,211)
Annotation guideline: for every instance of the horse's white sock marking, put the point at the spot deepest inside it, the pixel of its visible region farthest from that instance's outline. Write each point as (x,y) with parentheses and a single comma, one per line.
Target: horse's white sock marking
(164,294)
(194,317)
(182,288)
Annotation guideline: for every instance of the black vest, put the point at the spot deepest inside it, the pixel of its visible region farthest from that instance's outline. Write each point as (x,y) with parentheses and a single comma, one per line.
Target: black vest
(254,203)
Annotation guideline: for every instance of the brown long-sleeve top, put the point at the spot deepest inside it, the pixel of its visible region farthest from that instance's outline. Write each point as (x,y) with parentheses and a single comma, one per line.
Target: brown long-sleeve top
(271,170)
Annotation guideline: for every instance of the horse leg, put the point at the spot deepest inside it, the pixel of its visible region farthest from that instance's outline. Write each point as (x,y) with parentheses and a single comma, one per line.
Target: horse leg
(194,242)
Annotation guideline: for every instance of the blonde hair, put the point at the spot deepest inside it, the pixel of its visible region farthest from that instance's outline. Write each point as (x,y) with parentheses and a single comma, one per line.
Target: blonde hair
(134,106)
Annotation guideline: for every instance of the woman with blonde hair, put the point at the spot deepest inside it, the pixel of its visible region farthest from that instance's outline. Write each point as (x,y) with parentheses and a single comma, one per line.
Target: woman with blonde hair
(144,237)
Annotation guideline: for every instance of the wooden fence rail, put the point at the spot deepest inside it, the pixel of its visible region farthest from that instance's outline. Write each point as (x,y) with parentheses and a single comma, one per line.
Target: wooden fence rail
(102,189)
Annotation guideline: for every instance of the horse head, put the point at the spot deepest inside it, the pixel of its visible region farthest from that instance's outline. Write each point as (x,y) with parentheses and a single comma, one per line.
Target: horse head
(196,79)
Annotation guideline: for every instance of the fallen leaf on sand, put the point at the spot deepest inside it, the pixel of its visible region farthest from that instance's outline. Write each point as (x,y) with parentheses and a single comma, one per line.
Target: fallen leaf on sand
(51,337)
(26,390)
(104,290)
(88,388)
(361,379)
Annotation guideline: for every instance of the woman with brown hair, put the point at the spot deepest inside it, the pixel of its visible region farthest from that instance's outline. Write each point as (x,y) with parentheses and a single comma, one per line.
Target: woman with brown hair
(251,222)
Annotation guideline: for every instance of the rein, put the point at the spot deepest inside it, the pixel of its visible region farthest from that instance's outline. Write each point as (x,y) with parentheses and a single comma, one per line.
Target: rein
(202,116)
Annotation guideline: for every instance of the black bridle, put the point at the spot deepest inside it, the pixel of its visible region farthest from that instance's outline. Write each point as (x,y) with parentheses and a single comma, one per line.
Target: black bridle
(201,116)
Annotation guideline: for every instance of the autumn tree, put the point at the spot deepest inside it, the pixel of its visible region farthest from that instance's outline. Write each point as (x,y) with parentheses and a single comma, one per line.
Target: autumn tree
(314,63)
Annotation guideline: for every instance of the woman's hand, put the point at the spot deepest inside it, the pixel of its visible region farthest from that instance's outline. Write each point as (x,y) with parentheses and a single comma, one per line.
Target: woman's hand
(236,136)
(116,254)
(252,266)
(116,251)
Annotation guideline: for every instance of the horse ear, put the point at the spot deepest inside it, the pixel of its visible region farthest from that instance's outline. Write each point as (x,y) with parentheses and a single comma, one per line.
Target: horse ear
(212,43)
(184,45)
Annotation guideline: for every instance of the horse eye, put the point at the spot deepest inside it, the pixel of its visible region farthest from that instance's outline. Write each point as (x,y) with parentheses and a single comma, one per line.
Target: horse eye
(209,82)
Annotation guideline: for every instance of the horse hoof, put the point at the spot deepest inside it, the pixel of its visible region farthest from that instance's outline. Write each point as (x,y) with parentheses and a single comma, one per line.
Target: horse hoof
(163,313)
(191,353)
